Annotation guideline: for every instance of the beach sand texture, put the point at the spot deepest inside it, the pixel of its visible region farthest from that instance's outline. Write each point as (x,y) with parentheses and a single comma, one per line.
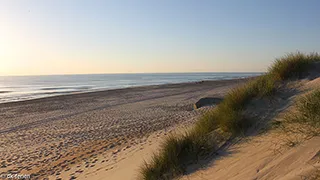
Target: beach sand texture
(52,136)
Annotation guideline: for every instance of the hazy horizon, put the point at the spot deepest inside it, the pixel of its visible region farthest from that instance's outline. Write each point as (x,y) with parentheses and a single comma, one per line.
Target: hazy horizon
(257,72)
(120,37)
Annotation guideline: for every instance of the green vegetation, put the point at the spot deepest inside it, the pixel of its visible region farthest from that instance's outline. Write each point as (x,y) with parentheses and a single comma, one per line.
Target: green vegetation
(174,156)
(224,121)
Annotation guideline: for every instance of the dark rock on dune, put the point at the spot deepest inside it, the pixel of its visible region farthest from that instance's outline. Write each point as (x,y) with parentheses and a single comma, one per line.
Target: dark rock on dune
(207,101)
(3,92)
(314,71)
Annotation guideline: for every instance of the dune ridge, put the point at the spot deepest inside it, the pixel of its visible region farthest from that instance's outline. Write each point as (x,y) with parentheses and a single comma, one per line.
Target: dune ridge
(234,117)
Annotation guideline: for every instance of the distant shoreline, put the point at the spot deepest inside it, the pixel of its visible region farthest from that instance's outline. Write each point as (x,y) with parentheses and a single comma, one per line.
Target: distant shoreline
(98,91)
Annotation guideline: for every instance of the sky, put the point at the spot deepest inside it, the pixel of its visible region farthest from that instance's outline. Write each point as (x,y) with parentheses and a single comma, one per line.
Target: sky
(40,37)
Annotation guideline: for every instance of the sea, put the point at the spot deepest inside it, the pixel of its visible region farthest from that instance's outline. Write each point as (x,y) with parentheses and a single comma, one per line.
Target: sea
(20,88)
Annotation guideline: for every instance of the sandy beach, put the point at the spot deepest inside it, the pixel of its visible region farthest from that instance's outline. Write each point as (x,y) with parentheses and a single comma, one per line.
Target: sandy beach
(65,136)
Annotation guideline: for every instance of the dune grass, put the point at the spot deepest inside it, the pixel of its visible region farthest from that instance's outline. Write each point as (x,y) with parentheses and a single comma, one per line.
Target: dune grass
(227,118)
(305,117)
(293,65)
(309,109)
(176,153)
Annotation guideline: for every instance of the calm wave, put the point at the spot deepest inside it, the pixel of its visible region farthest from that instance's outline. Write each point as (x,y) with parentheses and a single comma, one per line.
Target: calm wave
(18,88)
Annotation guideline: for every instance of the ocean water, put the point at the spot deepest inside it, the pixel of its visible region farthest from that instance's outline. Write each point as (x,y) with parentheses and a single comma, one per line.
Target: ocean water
(19,88)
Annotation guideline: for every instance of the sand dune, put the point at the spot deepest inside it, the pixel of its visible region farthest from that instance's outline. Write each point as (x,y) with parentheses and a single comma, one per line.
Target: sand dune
(271,154)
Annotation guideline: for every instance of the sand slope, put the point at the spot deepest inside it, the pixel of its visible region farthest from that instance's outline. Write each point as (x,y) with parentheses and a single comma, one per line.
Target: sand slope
(265,158)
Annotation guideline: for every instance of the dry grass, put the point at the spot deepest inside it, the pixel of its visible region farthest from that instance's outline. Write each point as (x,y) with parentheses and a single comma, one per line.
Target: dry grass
(293,65)
(304,118)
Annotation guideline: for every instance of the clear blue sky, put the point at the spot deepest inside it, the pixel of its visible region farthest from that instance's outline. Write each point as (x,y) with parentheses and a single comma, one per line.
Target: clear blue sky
(74,36)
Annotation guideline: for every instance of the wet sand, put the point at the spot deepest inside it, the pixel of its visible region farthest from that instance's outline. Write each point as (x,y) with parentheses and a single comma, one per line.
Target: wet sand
(51,136)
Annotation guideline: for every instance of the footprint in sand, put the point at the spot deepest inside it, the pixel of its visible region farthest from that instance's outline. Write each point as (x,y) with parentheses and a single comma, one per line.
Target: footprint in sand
(109,168)
(79,171)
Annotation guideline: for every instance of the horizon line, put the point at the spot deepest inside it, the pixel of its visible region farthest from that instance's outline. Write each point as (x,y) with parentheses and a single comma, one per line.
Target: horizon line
(131,73)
